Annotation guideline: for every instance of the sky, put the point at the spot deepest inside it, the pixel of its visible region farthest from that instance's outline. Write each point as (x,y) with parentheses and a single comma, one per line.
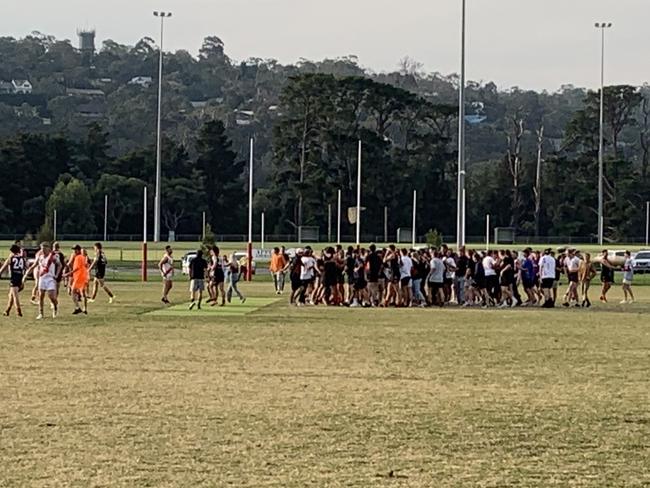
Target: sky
(532,44)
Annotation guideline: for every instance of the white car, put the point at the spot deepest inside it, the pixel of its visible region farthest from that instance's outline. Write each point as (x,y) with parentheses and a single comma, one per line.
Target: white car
(641,262)
(239,256)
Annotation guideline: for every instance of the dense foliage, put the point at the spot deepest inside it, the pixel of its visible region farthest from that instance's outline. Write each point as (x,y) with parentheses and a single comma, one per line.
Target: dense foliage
(88,130)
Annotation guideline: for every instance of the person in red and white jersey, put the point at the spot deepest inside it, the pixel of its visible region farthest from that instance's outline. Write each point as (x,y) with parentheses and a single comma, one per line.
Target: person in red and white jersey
(166,267)
(47,266)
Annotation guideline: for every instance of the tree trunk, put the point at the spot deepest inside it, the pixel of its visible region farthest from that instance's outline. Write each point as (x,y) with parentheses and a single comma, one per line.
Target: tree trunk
(514,165)
(537,190)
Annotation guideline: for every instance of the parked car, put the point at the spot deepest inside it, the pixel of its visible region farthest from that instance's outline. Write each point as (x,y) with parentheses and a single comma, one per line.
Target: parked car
(616,258)
(240,256)
(641,262)
(185,262)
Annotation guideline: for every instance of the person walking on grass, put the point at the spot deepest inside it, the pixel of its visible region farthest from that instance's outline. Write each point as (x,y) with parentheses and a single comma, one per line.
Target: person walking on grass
(586,274)
(16,264)
(99,264)
(198,267)
(47,266)
(217,277)
(79,277)
(277,268)
(234,275)
(628,277)
(572,270)
(547,271)
(606,275)
(166,267)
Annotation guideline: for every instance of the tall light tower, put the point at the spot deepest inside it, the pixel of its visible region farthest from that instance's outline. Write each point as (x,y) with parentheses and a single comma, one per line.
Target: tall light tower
(158,196)
(460,211)
(601,140)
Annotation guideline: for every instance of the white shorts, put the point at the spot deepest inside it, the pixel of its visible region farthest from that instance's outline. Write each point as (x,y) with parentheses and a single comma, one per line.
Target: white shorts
(627,282)
(47,284)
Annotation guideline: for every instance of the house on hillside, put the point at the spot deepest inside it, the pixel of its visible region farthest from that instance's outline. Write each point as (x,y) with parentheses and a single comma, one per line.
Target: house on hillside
(85,92)
(6,87)
(95,109)
(244,117)
(143,81)
(23,87)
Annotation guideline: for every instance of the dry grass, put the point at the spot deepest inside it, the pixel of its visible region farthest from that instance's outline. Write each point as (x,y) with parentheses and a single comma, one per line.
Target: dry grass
(313,397)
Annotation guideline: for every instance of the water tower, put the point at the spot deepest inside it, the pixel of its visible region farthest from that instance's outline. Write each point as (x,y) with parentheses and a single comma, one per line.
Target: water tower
(86,44)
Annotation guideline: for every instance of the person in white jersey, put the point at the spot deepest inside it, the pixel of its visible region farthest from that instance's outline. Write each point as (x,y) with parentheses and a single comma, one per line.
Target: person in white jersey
(47,265)
(628,277)
(547,269)
(491,278)
(572,271)
(405,268)
(166,267)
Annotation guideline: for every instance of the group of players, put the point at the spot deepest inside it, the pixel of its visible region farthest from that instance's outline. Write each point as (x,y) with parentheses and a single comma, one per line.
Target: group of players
(50,270)
(439,276)
(209,275)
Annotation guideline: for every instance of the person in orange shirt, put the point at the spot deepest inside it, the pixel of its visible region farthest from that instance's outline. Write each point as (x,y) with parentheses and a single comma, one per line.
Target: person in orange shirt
(80,279)
(278,270)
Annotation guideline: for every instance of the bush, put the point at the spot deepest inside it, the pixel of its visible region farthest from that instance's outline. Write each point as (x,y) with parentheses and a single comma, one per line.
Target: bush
(434,238)
(45,233)
(209,239)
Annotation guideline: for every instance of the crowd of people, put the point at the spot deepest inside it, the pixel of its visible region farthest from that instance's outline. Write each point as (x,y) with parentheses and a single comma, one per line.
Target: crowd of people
(392,277)
(54,273)
(354,277)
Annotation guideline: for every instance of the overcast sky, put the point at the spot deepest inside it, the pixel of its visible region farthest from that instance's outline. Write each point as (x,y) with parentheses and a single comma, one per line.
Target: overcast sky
(528,43)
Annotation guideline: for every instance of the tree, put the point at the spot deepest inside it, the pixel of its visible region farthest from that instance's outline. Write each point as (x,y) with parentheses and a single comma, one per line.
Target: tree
(124,201)
(221,171)
(71,199)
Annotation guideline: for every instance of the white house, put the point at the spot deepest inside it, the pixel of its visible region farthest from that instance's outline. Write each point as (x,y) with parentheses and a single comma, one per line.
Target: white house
(143,81)
(22,86)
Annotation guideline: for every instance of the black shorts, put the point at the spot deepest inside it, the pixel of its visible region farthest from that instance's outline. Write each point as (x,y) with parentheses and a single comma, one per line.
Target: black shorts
(360,284)
(340,279)
(16,281)
(218,277)
(295,283)
(405,281)
(528,284)
(329,281)
(547,283)
(435,286)
(449,281)
(100,276)
(573,277)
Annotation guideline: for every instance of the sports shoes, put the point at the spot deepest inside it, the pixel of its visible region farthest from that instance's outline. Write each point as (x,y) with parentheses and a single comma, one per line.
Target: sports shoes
(77,311)
(54,313)
(20,313)
(192,305)
(111,299)
(624,302)
(39,316)
(243,300)
(91,300)
(33,301)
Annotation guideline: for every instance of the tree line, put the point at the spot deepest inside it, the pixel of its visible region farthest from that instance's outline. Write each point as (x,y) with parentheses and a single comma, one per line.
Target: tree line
(532,157)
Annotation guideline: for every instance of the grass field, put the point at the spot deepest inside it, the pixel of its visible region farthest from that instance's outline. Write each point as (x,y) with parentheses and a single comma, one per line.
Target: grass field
(286,397)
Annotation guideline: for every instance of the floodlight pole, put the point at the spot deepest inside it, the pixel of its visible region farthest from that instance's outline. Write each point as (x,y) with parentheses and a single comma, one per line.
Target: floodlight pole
(460,210)
(105,218)
(601,139)
(144,237)
(329,223)
(359,195)
(415,209)
(487,232)
(262,232)
(249,251)
(338,218)
(203,228)
(158,194)
(54,226)
(647,224)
